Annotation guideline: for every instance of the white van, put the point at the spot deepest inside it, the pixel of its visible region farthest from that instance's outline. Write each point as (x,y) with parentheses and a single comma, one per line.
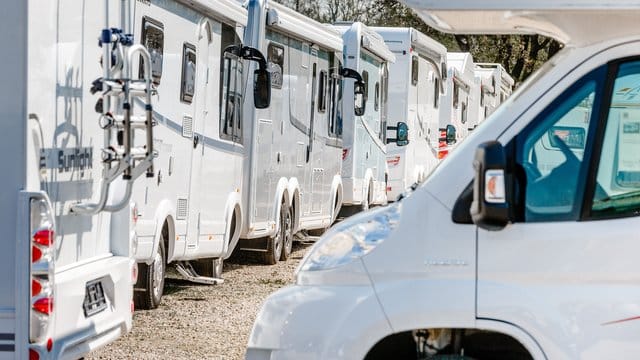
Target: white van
(495,86)
(191,212)
(291,175)
(415,86)
(364,153)
(72,149)
(516,259)
(457,112)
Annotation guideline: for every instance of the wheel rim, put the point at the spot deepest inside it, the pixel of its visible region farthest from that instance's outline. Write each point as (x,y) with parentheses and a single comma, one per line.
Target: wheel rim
(158,274)
(277,244)
(217,264)
(287,225)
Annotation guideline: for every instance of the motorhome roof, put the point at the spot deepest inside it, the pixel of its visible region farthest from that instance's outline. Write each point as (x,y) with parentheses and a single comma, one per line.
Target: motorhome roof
(420,42)
(461,65)
(292,22)
(222,9)
(370,39)
(494,69)
(573,22)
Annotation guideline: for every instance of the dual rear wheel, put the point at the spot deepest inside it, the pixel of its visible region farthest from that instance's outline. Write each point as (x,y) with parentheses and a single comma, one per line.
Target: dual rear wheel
(280,245)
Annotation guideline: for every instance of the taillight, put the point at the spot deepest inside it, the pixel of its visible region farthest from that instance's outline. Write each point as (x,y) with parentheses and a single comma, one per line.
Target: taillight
(34,355)
(41,271)
(443,147)
(344,153)
(43,305)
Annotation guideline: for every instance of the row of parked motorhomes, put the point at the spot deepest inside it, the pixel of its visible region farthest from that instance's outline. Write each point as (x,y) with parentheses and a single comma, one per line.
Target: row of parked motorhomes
(143,133)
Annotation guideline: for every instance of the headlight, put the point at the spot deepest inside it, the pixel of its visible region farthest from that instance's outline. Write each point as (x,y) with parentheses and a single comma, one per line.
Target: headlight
(352,239)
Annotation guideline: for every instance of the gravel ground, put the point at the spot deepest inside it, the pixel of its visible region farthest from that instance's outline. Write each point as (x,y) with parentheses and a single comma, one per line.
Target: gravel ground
(201,321)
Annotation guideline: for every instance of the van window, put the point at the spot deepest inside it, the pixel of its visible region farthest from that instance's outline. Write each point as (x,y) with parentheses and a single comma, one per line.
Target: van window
(414,70)
(376,100)
(275,64)
(335,120)
(365,78)
(436,93)
(617,185)
(456,95)
(553,152)
(153,40)
(463,113)
(322,92)
(231,98)
(188,83)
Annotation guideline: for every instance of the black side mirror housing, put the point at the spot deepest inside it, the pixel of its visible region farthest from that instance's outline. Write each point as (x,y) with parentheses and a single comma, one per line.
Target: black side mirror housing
(402,134)
(261,88)
(450,135)
(491,191)
(359,100)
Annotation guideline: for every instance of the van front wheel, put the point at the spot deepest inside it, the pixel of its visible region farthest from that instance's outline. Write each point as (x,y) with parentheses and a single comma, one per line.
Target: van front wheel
(149,287)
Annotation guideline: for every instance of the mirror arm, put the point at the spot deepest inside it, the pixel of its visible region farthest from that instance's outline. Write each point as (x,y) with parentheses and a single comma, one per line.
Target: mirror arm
(253,54)
(351,74)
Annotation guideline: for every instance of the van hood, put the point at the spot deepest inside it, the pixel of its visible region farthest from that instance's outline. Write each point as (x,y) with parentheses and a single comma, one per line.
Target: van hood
(571,22)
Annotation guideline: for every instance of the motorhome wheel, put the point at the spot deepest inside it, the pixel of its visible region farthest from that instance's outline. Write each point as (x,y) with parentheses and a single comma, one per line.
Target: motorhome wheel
(209,267)
(150,285)
(286,226)
(274,248)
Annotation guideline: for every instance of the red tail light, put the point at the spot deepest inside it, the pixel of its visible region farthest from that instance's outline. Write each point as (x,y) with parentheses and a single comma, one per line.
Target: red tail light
(36,287)
(43,237)
(442,154)
(36,254)
(344,153)
(43,305)
(33,355)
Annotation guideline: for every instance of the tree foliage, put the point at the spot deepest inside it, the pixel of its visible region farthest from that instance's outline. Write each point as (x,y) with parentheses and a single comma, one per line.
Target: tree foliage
(521,55)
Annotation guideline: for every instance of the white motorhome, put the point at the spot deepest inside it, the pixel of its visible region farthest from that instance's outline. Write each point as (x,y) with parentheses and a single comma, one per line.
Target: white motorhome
(364,163)
(512,258)
(457,112)
(73,149)
(292,172)
(415,86)
(191,213)
(494,87)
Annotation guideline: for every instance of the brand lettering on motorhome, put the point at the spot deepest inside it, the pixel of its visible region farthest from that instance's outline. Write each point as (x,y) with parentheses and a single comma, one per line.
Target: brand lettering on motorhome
(65,160)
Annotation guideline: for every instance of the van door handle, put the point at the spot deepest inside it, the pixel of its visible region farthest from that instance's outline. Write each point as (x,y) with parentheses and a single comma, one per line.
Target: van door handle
(196,140)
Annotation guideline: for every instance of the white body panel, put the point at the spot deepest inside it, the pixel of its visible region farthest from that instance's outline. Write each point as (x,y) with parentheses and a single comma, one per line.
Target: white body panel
(53,143)
(196,190)
(364,170)
(415,101)
(493,86)
(456,103)
(562,289)
(293,157)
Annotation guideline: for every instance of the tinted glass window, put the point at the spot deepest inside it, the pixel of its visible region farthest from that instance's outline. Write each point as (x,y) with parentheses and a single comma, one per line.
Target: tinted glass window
(414,70)
(153,40)
(275,63)
(322,92)
(188,83)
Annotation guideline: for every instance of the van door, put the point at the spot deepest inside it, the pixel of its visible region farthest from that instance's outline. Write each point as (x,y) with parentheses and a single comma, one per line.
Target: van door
(568,266)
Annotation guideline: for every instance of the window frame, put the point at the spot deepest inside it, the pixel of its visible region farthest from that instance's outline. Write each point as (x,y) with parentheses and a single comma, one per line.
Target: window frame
(415,70)
(272,44)
(184,95)
(143,33)
(322,91)
(601,76)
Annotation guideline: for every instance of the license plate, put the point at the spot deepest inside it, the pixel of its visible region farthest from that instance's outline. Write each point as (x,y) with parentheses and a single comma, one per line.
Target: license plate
(94,300)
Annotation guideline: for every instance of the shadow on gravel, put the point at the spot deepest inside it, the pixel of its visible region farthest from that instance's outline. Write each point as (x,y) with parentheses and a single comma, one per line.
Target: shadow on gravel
(241,258)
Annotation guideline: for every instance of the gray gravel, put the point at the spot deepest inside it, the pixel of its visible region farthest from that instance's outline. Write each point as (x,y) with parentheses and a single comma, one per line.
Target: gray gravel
(201,321)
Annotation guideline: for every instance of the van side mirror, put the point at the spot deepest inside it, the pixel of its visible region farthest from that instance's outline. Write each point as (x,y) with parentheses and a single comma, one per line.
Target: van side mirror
(491,191)
(402,134)
(450,134)
(261,77)
(360,102)
(261,88)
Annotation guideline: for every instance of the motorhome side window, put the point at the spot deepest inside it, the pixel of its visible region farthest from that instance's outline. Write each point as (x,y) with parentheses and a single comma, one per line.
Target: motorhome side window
(188,83)
(275,59)
(414,70)
(436,93)
(617,189)
(552,152)
(335,118)
(322,92)
(365,79)
(231,98)
(153,40)
(456,95)
(463,113)
(376,103)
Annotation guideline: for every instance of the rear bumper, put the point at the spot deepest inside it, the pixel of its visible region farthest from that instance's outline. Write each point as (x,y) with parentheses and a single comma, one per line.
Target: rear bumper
(73,334)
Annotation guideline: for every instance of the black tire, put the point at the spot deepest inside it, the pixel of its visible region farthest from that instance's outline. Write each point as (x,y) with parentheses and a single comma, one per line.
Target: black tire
(209,267)
(286,227)
(149,287)
(274,248)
